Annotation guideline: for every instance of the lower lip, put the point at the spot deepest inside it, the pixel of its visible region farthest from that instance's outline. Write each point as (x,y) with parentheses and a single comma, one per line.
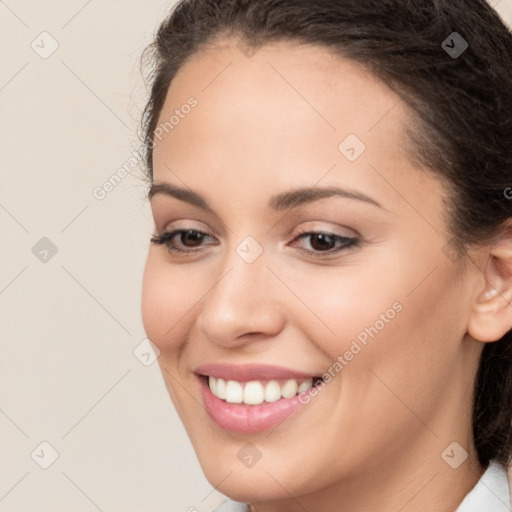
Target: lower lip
(247,418)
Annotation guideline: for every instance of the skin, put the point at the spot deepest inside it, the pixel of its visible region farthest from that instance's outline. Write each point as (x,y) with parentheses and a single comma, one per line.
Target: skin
(373,438)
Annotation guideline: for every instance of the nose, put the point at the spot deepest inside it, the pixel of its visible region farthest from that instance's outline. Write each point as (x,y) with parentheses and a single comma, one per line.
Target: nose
(243,306)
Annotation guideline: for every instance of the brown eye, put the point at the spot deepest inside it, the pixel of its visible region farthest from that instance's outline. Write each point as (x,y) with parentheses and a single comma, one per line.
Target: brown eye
(191,238)
(181,240)
(324,242)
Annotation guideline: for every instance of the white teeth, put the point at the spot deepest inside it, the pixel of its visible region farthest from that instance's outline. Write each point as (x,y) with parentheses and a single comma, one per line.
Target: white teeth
(220,388)
(272,391)
(234,392)
(305,385)
(290,388)
(212,383)
(254,392)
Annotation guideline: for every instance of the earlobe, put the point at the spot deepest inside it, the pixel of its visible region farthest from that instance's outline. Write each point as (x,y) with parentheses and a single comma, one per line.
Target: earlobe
(491,316)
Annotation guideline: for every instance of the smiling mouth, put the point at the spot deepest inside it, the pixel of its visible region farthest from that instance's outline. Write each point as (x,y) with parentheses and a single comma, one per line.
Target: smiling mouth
(256,392)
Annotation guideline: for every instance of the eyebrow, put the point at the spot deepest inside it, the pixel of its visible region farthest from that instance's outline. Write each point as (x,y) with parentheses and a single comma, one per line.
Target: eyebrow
(282,201)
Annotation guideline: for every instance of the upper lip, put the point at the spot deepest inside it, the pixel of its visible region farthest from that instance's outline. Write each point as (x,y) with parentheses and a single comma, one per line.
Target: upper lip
(248,372)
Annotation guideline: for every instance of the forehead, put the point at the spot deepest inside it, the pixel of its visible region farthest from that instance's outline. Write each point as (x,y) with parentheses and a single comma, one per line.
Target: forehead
(288,108)
(301,88)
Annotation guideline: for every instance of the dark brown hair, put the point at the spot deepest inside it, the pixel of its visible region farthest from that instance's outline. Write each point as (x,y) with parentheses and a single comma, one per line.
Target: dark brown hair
(460,105)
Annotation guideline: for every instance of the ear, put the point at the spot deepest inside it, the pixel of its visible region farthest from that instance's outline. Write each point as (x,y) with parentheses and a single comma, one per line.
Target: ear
(491,316)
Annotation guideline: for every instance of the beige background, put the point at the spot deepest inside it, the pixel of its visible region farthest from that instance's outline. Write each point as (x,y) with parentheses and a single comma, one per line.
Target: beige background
(70,323)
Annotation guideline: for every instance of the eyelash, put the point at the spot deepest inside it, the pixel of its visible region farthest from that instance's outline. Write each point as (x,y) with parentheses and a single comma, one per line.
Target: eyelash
(348,243)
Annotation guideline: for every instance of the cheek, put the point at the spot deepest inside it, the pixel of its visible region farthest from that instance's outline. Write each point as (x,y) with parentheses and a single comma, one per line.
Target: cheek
(415,352)
(344,306)
(387,319)
(169,293)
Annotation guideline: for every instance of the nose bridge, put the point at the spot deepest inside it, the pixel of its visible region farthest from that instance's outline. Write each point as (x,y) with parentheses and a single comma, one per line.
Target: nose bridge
(242,299)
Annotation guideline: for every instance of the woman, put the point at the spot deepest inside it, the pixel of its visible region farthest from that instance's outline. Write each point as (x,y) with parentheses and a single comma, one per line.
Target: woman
(330,278)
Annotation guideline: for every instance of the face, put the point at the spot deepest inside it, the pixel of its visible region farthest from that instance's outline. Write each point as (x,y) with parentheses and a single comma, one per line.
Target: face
(307,253)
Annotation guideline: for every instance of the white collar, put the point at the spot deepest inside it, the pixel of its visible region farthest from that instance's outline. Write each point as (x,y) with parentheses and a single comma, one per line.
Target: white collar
(490,494)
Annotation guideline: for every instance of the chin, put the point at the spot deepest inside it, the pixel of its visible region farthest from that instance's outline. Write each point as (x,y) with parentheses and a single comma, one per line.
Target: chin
(248,486)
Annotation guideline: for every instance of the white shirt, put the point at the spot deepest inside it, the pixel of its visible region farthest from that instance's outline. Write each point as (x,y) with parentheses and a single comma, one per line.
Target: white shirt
(490,494)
